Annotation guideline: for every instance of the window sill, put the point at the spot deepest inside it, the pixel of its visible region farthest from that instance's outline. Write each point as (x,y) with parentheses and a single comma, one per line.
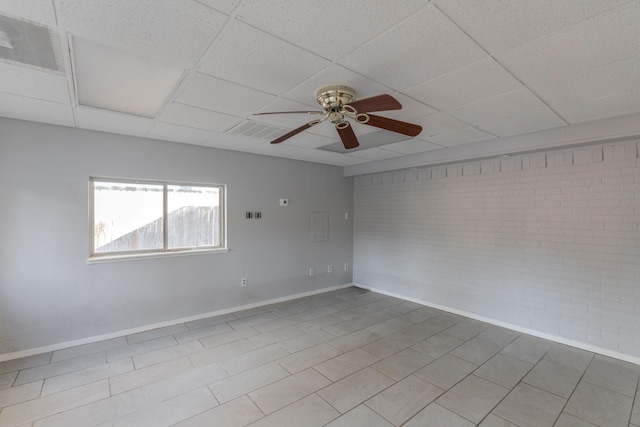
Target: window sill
(137,257)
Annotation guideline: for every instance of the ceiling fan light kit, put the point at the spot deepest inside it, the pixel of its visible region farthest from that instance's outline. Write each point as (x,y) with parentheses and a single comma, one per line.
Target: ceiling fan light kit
(339,103)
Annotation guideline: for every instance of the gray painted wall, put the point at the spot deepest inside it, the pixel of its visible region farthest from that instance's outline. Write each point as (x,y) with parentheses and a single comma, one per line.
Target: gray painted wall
(49,294)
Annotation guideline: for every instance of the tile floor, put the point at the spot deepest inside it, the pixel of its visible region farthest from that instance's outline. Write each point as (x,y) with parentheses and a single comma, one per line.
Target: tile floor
(345,358)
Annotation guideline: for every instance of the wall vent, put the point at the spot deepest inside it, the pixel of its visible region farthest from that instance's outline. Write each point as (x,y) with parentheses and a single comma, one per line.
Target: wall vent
(257,130)
(30,44)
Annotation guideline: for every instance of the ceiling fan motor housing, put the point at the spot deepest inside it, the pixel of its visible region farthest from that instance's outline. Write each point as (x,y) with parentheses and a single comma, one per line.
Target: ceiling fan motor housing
(334,97)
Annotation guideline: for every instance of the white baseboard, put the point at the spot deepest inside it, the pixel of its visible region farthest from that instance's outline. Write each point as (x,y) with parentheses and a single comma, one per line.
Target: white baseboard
(550,337)
(93,339)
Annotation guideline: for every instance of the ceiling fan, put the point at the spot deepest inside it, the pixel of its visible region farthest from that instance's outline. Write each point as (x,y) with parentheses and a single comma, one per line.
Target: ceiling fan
(339,103)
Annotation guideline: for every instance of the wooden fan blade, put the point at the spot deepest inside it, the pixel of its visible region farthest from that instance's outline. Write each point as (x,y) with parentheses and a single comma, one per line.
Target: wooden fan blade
(294,132)
(289,112)
(376,103)
(393,125)
(349,139)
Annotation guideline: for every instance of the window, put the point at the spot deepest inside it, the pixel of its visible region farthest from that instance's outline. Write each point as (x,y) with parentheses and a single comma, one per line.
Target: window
(147,217)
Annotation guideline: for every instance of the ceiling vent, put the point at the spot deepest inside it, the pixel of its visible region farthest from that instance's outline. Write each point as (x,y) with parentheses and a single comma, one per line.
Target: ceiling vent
(369,140)
(257,130)
(30,44)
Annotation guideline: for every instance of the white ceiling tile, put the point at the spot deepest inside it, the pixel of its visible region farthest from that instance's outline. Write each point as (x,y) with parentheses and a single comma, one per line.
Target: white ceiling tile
(283,104)
(225,6)
(376,154)
(34,84)
(287,120)
(424,47)
(170,132)
(257,130)
(511,104)
(613,78)
(411,109)
(499,24)
(411,146)
(439,123)
(280,150)
(244,55)
(121,81)
(219,95)
(19,107)
(464,136)
(310,140)
(600,108)
(327,157)
(40,11)
(605,38)
(186,115)
(175,31)
(334,75)
(538,120)
(482,79)
(326,129)
(236,143)
(362,129)
(110,121)
(292,121)
(330,28)
(315,156)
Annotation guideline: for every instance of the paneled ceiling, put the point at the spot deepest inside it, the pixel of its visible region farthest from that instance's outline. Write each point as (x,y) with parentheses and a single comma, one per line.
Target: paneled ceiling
(468,71)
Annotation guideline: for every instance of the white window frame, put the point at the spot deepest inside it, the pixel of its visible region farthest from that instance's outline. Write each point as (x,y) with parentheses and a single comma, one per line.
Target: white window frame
(165,250)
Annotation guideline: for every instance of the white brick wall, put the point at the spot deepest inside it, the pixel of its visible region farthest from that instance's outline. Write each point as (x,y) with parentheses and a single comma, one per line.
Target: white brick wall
(545,241)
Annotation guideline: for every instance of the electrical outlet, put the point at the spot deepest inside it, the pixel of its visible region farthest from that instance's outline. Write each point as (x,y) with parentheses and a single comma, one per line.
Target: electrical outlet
(346,266)
(243,282)
(311,272)
(330,269)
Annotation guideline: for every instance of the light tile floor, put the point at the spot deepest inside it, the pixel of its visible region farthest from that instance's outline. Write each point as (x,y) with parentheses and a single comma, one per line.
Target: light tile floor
(345,358)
